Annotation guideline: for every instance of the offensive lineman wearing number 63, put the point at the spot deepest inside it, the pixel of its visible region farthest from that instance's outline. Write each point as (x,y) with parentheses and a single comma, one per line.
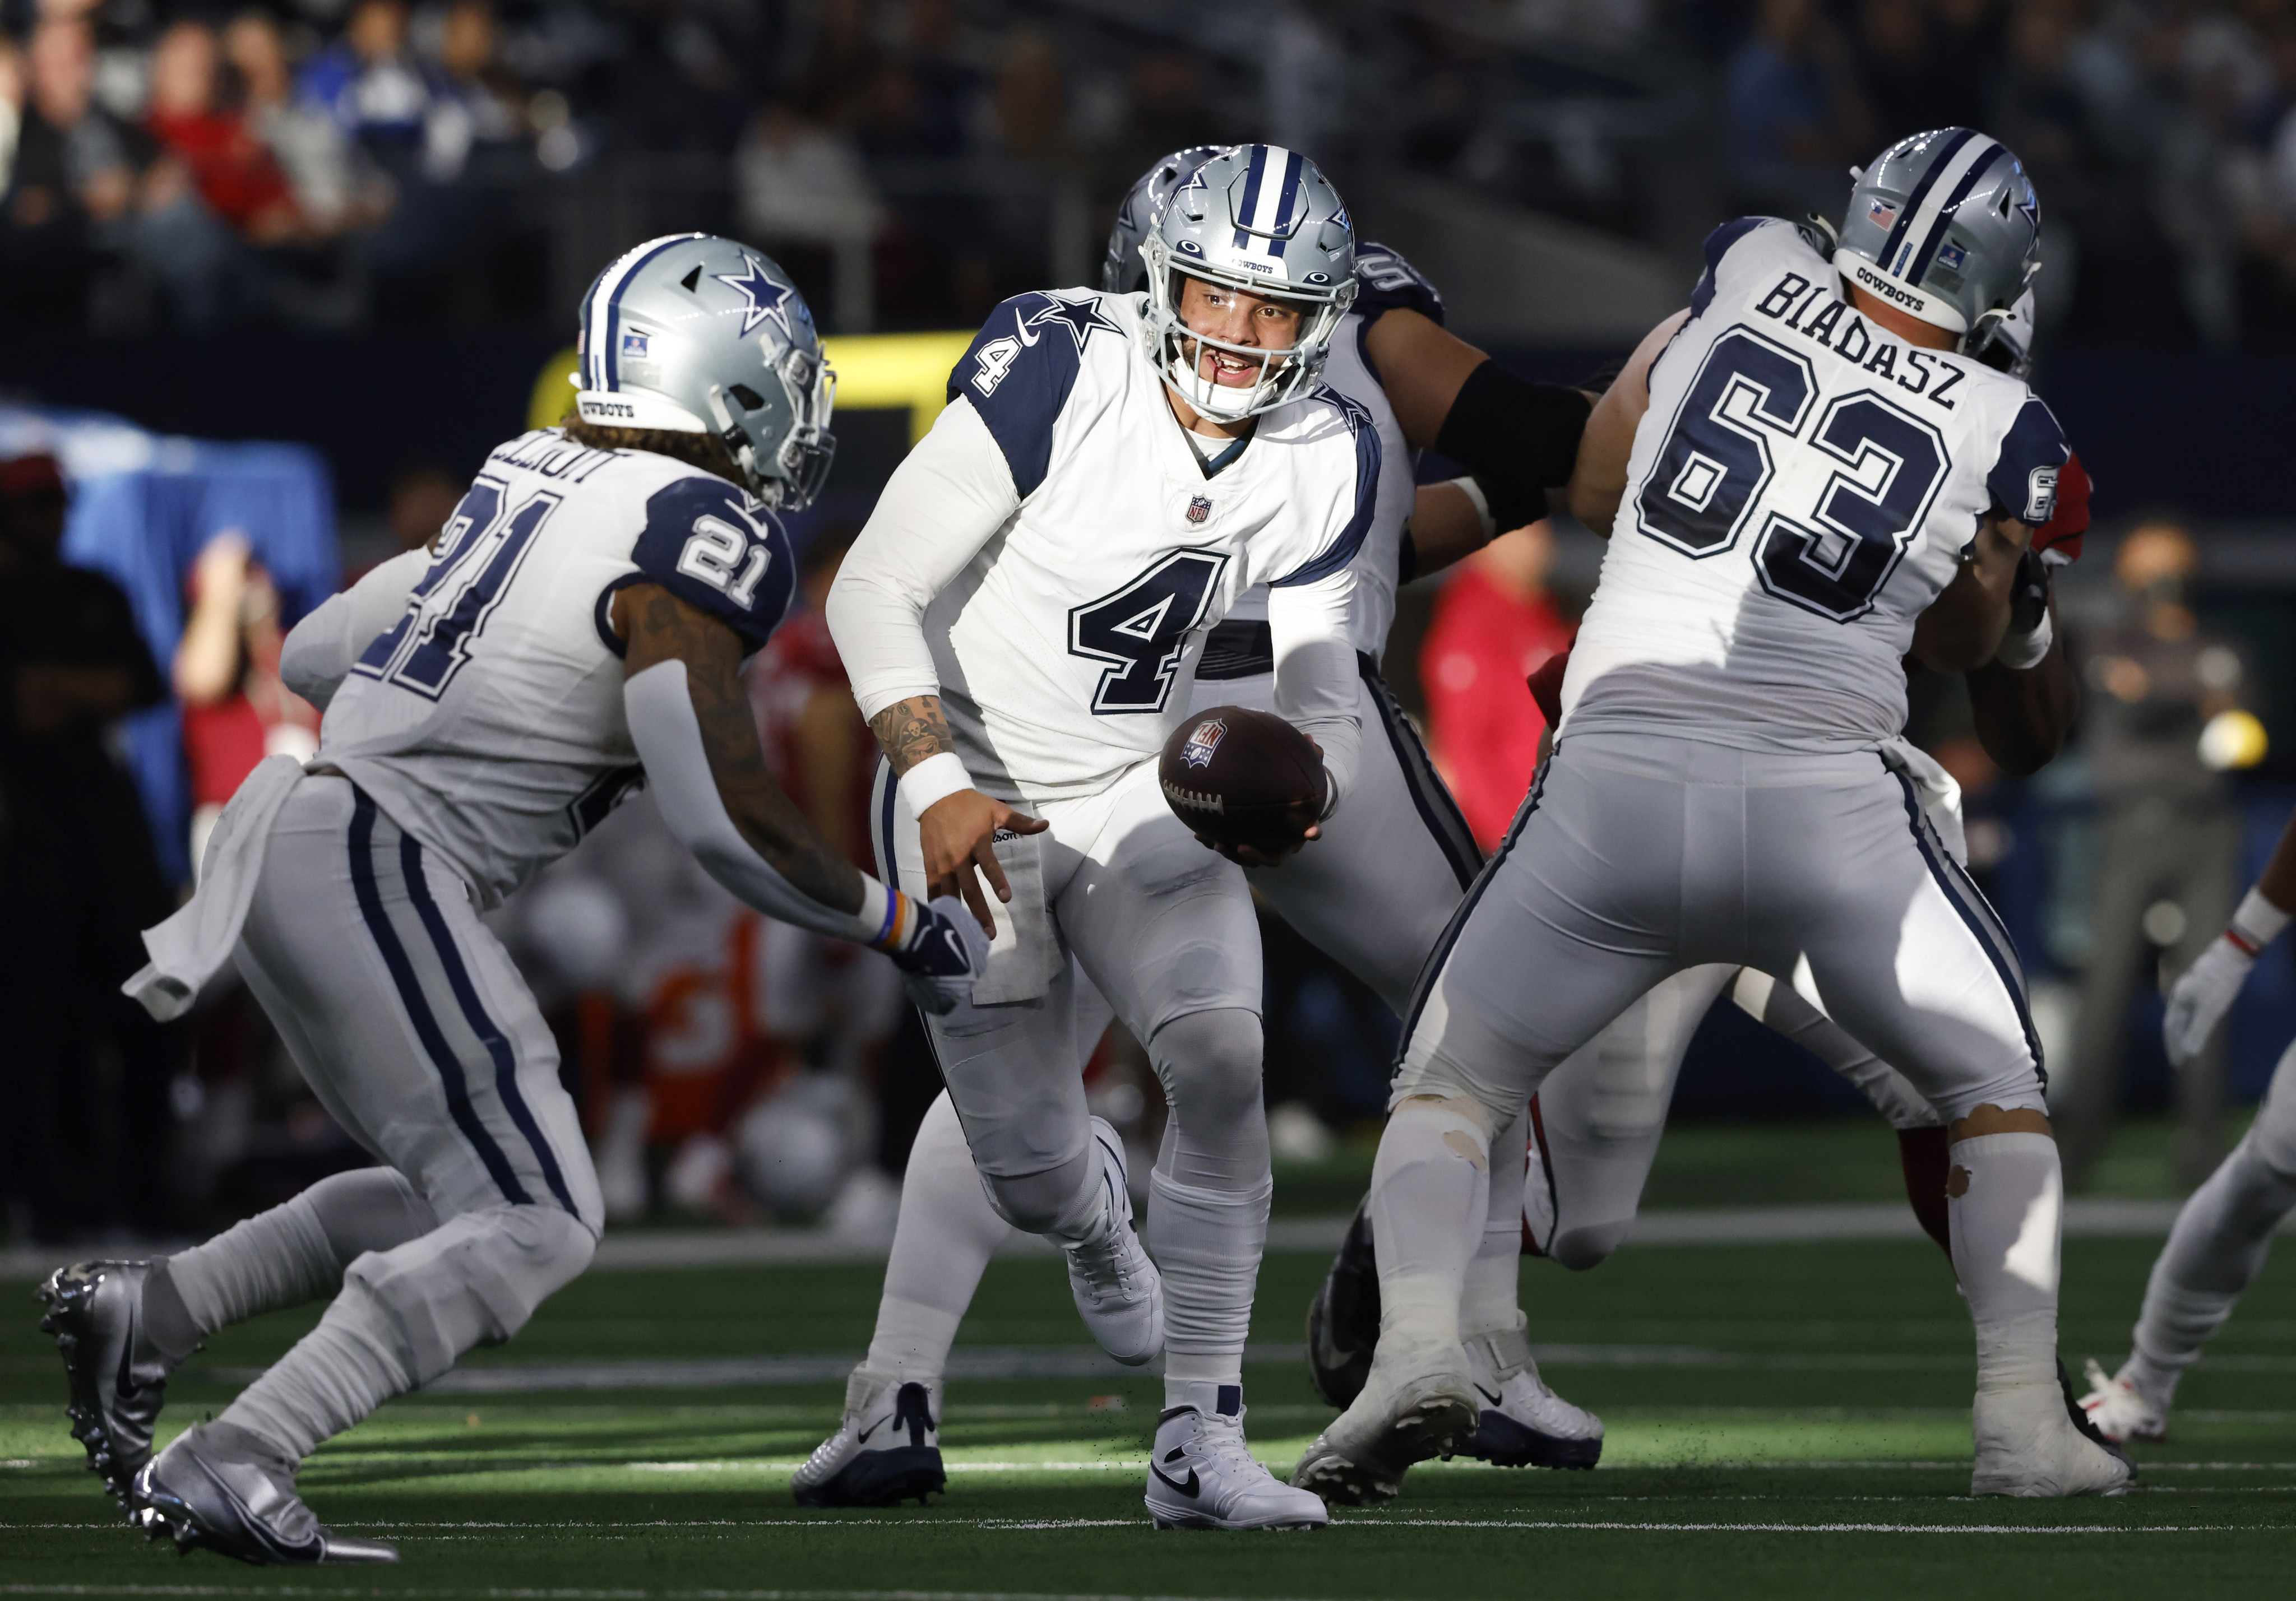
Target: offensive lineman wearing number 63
(1023,618)
(1823,481)
(577,626)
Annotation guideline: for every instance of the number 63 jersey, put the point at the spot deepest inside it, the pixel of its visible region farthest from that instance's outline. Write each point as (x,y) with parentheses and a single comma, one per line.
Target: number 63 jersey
(487,719)
(1803,485)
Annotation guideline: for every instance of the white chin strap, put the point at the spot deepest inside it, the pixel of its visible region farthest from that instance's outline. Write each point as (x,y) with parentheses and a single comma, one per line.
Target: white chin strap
(1225,401)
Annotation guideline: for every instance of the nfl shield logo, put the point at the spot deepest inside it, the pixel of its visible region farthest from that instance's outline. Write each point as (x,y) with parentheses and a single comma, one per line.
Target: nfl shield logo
(633,343)
(1200,507)
(1205,739)
(1951,255)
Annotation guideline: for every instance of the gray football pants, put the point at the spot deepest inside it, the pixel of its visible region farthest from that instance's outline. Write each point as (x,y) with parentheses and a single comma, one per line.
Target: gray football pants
(418,1035)
(1638,856)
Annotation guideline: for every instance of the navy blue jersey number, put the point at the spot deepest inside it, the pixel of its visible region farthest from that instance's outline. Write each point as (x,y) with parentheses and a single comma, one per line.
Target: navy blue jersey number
(479,552)
(1716,461)
(1751,396)
(1867,514)
(1141,630)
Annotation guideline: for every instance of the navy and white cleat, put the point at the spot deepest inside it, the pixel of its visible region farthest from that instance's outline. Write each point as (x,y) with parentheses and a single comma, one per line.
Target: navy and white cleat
(1343,1319)
(1524,1424)
(886,1449)
(1202,1475)
(117,1382)
(199,1495)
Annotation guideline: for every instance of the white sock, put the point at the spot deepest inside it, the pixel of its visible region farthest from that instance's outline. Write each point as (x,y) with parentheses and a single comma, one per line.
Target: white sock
(1491,1302)
(942,1242)
(2219,1242)
(1430,1193)
(2005,1200)
(1207,1243)
(297,1252)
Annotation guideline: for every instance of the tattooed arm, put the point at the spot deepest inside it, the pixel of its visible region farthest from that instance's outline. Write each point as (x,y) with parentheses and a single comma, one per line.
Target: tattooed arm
(660,628)
(958,831)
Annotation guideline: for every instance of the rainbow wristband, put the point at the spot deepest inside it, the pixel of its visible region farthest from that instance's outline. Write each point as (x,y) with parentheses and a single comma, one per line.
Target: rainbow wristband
(899,924)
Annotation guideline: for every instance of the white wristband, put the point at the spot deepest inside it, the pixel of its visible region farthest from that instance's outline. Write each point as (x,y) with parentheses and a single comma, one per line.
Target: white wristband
(2257,923)
(934,779)
(1482,504)
(2022,652)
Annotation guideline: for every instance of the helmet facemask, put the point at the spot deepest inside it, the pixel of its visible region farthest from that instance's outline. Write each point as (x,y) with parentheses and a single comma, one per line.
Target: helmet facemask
(790,478)
(1179,352)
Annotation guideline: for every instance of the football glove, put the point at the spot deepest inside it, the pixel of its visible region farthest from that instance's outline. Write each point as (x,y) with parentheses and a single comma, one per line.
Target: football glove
(941,957)
(2202,997)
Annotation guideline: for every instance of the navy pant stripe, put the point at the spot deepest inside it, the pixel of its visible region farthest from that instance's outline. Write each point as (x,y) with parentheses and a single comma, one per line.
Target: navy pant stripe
(418,1010)
(1437,809)
(474,1013)
(1991,936)
(1451,931)
(888,865)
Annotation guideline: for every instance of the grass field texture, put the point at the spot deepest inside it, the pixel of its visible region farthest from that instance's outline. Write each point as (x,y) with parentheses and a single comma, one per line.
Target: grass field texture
(1785,1420)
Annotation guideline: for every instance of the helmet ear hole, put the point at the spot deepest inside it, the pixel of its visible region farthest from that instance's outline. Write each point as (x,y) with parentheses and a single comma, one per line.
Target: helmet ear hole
(750,398)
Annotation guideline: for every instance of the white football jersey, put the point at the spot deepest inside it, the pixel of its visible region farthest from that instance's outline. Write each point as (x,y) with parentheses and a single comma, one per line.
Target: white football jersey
(1065,649)
(1384,282)
(1802,487)
(488,721)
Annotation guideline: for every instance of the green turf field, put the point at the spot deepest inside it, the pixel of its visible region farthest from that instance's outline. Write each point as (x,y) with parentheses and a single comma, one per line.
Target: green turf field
(1785,1420)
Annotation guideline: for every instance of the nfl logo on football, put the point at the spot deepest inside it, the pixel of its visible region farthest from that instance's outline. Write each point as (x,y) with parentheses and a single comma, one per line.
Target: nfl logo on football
(1200,507)
(1210,732)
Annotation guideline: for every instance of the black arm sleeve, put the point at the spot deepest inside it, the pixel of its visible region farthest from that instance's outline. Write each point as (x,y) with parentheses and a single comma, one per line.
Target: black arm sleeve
(1519,438)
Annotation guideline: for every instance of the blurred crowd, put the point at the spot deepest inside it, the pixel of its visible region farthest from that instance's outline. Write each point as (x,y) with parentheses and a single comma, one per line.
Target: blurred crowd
(2162,135)
(337,163)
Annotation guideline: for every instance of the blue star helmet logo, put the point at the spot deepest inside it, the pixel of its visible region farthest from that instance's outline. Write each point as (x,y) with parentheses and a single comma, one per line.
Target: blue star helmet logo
(765,297)
(2031,207)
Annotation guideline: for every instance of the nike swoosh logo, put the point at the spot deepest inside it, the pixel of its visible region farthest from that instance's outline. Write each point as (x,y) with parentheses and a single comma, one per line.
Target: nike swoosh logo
(1486,1395)
(1022,323)
(1188,1489)
(863,1437)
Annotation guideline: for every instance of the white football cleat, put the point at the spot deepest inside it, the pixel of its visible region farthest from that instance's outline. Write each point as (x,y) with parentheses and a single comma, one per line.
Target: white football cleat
(1119,1293)
(2119,1410)
(886,1449)
(1202,1476)
(1418,1403)
(1524,1424)
(2027,1446)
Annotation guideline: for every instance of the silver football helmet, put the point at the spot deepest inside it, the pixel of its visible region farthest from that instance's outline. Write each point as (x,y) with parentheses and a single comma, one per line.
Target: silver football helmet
(703,335)
(1121,270)
(1263,219)
(1944,225)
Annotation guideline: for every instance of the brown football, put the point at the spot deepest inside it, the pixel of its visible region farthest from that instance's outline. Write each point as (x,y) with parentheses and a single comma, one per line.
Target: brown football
(1242,777)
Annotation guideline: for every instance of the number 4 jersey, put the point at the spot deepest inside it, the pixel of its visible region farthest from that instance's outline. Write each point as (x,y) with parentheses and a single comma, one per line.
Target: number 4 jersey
(487,719)
(1802,488)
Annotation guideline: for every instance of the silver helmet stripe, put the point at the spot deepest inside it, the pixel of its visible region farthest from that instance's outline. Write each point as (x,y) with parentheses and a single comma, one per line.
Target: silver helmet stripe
(1928,209)
(606,309)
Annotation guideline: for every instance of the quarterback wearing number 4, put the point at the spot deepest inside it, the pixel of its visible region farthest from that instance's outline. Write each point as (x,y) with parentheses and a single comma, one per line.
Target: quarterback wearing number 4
(577,625)
(1823,482)
(1023,618)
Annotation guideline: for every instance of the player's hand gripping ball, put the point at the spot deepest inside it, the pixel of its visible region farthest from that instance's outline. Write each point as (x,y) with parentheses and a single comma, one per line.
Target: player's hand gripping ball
(1247,783)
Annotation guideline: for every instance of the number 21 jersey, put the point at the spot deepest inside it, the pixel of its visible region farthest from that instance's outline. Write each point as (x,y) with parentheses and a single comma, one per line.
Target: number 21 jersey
(1803,485)
(488,721)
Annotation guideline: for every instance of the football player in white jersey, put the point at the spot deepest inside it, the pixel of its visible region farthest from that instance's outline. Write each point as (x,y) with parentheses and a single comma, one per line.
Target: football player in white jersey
(578,627)
(1398,845)
(1822,483)
(1596,1123)
(1021,619)
(2223,1230)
